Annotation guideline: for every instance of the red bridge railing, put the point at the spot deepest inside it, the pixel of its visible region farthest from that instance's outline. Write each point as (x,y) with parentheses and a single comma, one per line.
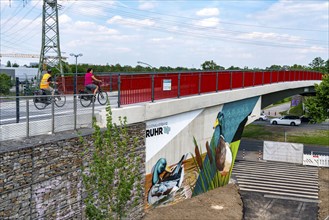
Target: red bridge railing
(135,87)
(139,88)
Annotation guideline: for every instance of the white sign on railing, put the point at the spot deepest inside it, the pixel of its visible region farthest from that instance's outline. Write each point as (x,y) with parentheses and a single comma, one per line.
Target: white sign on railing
(166,84)
(316,160)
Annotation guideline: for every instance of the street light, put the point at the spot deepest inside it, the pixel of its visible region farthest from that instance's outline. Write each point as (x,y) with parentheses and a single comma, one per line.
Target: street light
(76,70)
(140,62)
(75,87)
(152,89)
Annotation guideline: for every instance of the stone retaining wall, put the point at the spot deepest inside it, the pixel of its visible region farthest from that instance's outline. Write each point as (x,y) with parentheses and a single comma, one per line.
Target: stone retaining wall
(43,181)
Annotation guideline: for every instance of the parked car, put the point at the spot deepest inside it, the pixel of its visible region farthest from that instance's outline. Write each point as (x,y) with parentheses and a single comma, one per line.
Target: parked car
(286,120)
(303,118)
(262,117)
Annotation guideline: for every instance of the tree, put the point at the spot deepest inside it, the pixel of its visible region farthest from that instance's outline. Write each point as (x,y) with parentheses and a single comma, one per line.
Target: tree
(233,68)
(274,67)
(15,65)
(211,65)
(8,63)
(111,178)
(5,84)
(317,63)
(317,107)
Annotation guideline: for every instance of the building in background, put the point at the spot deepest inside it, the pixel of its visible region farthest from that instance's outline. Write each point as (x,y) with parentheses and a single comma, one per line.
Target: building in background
(22,73)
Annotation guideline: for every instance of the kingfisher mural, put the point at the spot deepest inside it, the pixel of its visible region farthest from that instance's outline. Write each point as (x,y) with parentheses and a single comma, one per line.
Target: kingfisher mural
(198,172)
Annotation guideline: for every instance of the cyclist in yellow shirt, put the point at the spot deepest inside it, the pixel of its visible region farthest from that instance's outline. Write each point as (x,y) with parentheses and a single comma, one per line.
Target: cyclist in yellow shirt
(45,81)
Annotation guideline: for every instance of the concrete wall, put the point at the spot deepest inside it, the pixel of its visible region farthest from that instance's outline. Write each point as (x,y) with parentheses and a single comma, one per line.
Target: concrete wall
(40,178)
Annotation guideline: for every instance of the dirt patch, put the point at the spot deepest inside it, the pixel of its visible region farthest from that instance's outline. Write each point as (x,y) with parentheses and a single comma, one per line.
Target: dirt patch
(221,203)
(225,203)
(323,193)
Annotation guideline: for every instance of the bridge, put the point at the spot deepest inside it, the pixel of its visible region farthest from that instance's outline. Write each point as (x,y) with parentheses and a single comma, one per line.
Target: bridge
(182,102)
(166,112)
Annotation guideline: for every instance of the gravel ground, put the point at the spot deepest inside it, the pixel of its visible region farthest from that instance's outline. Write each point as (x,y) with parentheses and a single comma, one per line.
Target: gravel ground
(323,194)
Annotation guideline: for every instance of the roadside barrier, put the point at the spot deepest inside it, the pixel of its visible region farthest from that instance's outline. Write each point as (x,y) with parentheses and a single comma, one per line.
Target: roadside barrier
(316,160)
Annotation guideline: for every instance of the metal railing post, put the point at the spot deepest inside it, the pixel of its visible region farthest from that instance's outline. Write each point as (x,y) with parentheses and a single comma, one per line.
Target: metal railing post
(231,80)
(27,118)
(110,82)
(253,78)
(217,81)
(152,89)
(93,108)
(52,115)
(119,90)
(75,111)
(17,100)
(178,89)
(199,84)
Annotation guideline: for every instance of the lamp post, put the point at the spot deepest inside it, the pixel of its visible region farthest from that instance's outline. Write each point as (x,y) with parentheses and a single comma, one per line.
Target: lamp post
(75,87)
(76,71)
(152,89)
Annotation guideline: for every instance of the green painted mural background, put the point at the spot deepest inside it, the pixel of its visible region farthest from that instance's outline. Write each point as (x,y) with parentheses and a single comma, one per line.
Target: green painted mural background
(206,170)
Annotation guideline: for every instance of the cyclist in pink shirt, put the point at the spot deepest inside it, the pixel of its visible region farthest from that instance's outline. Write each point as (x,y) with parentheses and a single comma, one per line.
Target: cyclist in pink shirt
(89,79)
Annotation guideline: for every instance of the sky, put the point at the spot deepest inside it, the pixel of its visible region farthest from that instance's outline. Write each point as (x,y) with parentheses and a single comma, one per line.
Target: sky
(254,34)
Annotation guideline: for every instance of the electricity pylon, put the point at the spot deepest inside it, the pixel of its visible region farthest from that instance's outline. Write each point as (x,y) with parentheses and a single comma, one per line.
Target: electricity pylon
(50,54)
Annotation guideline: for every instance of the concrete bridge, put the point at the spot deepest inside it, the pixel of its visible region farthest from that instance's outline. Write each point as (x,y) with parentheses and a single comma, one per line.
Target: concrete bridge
(195,115)
(213,113)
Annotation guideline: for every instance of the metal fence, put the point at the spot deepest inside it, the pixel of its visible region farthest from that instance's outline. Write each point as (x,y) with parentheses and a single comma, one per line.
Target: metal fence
(21,117)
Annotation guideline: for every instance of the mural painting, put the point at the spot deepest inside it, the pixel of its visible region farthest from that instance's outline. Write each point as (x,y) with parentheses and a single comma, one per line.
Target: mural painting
(197,172)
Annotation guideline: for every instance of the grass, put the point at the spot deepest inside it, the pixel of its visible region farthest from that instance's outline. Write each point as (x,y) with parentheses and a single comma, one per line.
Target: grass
(261,132)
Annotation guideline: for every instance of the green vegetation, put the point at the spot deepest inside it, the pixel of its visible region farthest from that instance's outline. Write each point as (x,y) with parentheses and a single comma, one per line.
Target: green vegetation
(316,138)
(112,177)
(297,110)
(317,107)
(5,84)
(261,132)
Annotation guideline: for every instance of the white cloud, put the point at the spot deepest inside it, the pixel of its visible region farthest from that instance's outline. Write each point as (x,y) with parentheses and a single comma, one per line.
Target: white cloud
(208,22)
(63,19)
(162,39)
(130,22)
(146,5)
(208,12)
(270,37)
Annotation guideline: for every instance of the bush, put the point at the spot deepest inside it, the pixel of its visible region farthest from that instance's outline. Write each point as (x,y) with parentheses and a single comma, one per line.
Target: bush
(297,110)
(5,84)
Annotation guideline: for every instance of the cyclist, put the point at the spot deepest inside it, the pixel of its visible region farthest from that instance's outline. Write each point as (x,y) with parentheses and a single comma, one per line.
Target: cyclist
(45,81)
(89,79)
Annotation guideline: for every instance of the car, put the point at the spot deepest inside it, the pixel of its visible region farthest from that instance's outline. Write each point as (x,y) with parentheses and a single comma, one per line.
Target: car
(305,119)
(286,120)
(262,117)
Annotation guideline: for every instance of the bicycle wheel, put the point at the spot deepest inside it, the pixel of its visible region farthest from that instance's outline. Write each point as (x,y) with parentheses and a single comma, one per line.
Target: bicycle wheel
(102,98)
(39,104)
(85,99)
(60,99)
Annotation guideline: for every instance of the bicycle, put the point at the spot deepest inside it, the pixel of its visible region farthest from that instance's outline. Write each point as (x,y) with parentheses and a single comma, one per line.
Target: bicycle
(86,96)
(40,102)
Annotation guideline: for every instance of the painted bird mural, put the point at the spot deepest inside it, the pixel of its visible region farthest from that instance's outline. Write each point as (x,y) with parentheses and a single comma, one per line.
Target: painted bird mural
(219,151)
(170,182)
(223,155)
